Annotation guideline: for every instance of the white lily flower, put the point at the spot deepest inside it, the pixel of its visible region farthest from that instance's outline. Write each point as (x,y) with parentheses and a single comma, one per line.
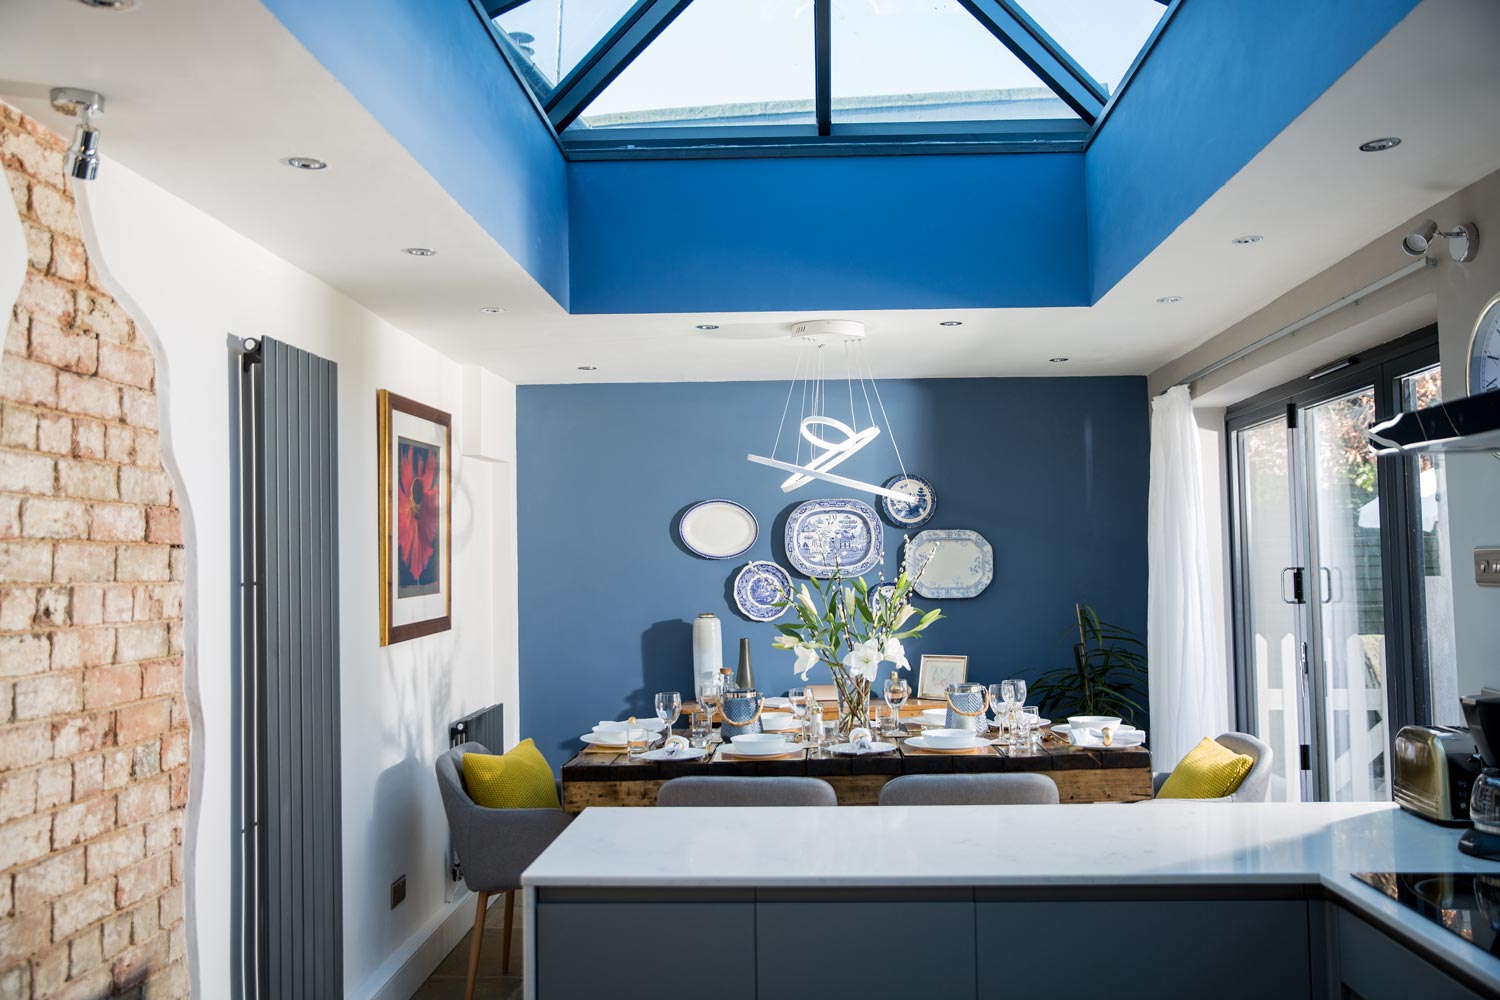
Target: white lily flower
(807,602)
(864,660)
(906,613)
(784,642)
(893,651)
(807,658)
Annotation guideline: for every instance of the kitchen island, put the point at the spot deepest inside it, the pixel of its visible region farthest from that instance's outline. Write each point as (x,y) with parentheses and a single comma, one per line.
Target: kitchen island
(1158,899)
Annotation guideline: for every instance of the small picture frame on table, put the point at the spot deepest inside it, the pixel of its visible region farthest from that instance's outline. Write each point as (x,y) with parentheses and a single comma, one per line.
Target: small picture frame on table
(415,466)
(937,672)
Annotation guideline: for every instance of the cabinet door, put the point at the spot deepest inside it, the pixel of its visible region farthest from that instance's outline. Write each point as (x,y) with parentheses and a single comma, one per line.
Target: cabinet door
(1373,967)
(643,951)
(865,948)
(1145,949)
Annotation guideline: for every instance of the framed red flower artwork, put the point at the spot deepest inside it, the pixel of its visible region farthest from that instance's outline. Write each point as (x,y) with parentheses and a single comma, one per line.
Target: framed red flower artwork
(416,548)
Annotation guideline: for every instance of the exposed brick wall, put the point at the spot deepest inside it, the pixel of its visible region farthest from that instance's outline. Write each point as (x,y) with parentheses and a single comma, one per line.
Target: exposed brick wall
(93,723)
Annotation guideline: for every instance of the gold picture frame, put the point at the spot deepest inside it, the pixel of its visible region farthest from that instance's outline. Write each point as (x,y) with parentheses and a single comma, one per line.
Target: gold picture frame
(414,444)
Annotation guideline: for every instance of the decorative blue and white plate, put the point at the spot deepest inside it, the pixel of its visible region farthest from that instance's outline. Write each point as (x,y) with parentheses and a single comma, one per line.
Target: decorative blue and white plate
(827,535)
(758,587)
(954,563)
(718,529)
(915,513)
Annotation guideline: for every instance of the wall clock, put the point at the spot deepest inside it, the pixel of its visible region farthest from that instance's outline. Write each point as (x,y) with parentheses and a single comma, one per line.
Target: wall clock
(1484,350)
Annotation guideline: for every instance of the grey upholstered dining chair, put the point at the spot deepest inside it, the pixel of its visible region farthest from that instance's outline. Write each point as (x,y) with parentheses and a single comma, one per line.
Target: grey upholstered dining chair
(727,791)
(494,846)
(1257,784)
(969,790)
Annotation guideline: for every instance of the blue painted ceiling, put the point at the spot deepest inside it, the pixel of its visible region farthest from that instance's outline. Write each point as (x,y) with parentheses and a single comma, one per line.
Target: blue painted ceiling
(1049,223)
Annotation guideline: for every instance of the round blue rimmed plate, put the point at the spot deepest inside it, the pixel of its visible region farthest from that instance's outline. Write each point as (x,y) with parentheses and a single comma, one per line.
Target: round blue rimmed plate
(915,512)
(718,529)
(757,589)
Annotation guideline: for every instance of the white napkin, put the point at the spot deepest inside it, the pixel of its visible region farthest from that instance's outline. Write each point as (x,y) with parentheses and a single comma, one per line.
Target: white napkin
(674,745)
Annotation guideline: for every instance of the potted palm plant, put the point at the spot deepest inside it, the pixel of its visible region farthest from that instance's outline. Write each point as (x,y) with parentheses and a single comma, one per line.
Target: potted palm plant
(1108,669)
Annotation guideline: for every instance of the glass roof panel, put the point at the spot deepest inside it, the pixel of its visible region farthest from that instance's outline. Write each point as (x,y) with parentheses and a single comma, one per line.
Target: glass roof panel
(928,61)
(720,62)
(550,37)
(1102,36)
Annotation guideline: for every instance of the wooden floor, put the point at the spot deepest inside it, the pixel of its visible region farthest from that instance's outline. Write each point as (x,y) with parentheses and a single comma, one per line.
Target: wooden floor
(447,982)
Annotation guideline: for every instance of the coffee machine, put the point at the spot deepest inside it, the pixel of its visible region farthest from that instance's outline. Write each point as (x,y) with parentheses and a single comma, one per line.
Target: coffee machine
(1483,714)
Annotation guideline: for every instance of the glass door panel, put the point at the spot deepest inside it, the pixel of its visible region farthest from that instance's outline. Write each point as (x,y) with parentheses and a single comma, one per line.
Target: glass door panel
(1271,637)
(1433,558)
(1347,598)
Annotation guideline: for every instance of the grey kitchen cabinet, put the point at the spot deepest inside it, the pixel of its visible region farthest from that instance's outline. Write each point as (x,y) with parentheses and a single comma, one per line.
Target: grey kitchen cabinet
(1373,966)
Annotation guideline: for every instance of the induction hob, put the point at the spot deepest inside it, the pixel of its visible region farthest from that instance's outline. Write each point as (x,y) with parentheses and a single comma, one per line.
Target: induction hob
(1466,903)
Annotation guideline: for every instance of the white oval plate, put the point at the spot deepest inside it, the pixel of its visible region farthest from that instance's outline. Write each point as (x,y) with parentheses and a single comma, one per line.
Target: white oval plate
(718,529)
(691,753)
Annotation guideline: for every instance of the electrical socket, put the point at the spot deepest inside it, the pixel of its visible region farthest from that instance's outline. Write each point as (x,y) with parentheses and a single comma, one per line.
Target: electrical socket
(1487,567)
(398,891)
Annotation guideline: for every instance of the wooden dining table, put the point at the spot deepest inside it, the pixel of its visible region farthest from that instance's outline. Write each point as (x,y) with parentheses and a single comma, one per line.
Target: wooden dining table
(601,777)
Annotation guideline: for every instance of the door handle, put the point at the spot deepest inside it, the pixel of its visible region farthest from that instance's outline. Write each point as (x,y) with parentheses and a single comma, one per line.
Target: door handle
(1297,596)
(1327,584)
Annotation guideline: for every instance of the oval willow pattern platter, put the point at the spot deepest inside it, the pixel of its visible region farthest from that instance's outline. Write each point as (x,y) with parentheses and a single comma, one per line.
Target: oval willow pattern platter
(915,513)
(956,563)
(718,529)
(824,535)
(758,587)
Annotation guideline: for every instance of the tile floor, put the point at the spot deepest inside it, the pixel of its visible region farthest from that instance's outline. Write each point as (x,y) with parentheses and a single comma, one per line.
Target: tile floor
(447,981)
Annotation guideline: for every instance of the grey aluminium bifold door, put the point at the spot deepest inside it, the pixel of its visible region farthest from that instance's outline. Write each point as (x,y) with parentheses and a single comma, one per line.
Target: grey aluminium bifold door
(288,857)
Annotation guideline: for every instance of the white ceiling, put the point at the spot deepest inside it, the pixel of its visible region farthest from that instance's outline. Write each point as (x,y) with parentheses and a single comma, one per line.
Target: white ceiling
(206,96)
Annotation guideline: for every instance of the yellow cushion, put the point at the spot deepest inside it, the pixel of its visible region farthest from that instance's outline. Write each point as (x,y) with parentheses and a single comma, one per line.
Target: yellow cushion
(520,778)
(1209,771)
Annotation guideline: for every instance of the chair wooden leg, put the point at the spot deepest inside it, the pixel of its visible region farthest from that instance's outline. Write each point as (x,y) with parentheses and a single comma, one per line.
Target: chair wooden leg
(481,906)
(510,922)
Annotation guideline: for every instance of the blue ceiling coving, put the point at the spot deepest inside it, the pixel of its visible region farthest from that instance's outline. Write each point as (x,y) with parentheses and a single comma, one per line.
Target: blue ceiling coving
(861,232)
(1223,80)
(992,230)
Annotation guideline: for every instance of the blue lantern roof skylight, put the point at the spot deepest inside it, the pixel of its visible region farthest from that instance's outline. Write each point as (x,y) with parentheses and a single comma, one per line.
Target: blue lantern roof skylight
(619,78)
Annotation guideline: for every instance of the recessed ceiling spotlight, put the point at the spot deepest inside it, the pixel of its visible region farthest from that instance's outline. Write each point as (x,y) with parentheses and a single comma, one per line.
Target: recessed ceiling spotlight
(1057,360)
(109,4)
(588,368)
(1379,145)
(1168,300)
(708,326)
(951,322)
(1244,241)
(419,252)
(305,163)
(492,310)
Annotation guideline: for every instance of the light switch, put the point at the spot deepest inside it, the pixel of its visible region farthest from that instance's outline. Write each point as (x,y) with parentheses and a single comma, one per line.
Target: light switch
(1487,567)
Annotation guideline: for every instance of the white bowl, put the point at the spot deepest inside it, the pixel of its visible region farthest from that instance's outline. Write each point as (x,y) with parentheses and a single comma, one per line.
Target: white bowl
(756,741)
(777,722)
(1093,721)
(949,739)
(935,716)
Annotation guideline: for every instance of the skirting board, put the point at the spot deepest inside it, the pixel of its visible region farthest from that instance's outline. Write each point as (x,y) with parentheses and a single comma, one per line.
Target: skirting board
(405,971)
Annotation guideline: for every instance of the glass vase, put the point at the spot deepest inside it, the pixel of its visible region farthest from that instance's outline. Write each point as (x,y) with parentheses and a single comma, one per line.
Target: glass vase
(854,701)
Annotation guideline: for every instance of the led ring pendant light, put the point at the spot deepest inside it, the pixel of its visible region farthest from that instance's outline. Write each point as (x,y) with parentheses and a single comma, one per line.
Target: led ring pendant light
(817,427)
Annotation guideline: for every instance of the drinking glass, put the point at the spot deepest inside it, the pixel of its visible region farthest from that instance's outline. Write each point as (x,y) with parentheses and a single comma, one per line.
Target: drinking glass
(702,728)
(668,708)
(896,692)
(797,701)
(636,740)
(1030,715)
(1008,699)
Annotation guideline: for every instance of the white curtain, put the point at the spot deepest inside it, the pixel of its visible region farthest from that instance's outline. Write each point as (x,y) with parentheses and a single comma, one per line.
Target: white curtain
(1186,676)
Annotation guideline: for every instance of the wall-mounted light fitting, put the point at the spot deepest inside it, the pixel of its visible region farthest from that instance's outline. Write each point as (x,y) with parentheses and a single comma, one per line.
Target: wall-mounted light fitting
(1245,241)
(109,4)
(1379,145)
(588,368)
(951,322)
(491,310)
(1169,300)
(1463,242)
(305,163)
(83,155)
(1057,360)
(708,326)
(419,251)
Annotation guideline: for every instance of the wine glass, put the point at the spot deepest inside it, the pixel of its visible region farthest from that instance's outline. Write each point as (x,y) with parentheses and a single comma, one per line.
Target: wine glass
(997,699)
(896,691)
(709,698)
(1008,699)
(668,708)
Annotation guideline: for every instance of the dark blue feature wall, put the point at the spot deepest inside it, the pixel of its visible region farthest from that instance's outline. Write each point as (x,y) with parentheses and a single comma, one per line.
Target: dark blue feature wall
(1225,77)
(829,233)
(1052,471)
(429,71)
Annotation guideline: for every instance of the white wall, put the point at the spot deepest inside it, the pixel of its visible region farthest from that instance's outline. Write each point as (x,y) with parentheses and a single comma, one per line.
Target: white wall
(192,284)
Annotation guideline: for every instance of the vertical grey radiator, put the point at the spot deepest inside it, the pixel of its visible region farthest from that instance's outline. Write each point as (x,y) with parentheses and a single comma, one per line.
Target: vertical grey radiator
(288,858)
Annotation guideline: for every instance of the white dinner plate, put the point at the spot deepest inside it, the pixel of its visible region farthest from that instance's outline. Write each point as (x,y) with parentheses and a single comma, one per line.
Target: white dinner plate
(1062,728)
(691,753)
(601,740)
(718,529)
(651,724)
(848,750)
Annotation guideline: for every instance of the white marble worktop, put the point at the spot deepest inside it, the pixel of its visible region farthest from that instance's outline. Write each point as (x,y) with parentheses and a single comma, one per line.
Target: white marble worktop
(1140,844)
